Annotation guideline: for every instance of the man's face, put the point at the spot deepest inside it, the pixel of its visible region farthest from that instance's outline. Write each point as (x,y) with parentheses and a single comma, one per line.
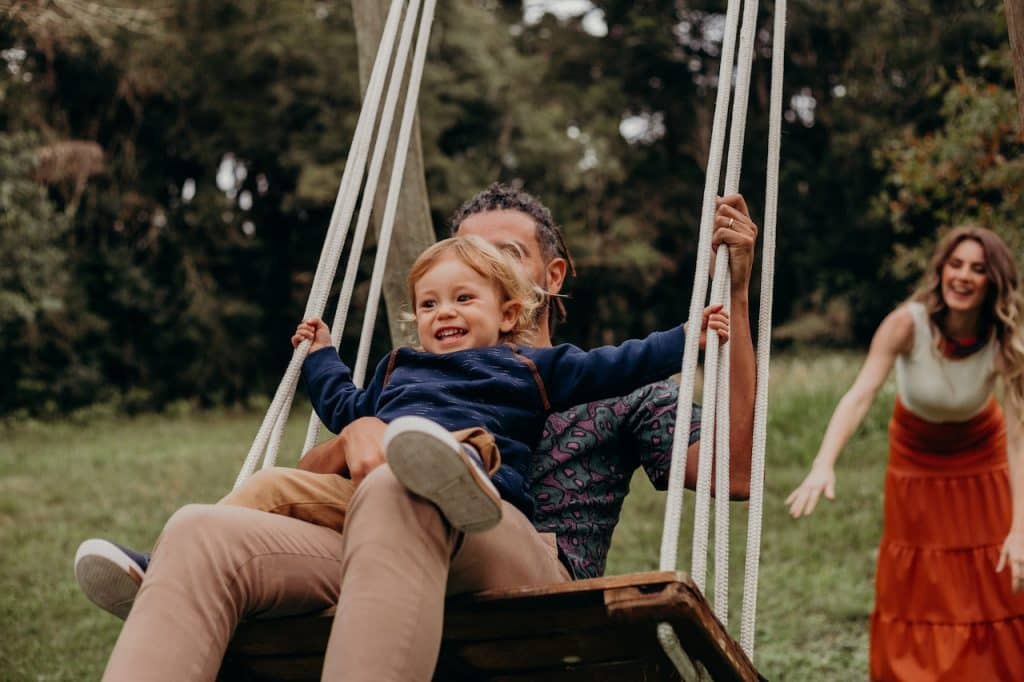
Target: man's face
(509,228)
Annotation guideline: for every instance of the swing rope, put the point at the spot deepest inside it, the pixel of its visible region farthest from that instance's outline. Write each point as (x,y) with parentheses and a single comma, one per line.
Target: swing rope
(268,438)
(716,386)
(764,326)
(387,224)
(719,396)
(677,471)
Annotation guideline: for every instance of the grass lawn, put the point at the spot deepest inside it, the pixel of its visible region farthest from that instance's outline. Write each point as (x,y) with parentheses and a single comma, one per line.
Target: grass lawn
(122,477)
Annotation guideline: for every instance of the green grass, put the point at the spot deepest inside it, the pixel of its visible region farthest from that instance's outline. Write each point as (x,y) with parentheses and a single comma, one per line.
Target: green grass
(121,478)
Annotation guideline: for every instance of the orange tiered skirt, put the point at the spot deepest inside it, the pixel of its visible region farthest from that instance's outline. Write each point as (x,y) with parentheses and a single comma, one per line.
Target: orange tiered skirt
(941,610)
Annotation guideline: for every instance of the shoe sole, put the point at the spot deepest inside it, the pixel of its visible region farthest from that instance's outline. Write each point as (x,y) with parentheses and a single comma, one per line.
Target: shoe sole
(428,461)
(108,577)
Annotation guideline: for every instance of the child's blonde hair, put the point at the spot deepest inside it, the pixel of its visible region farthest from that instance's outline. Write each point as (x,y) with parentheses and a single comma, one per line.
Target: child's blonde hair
(494,265)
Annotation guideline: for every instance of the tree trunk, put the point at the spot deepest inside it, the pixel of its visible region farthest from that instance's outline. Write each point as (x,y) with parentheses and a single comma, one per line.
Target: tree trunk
(1015,25)
(414,230)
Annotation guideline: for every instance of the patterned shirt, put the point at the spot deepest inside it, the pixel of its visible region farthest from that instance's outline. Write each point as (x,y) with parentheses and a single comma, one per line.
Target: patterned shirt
(585,461)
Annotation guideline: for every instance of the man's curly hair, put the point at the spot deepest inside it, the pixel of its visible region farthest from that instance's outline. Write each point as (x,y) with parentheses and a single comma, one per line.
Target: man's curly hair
(500,197)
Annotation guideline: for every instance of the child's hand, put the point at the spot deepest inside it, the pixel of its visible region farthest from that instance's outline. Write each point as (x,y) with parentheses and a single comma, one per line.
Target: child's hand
(313,330)
(717,320)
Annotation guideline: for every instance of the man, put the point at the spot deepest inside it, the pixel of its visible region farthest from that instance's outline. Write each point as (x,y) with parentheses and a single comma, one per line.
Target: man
(397,558)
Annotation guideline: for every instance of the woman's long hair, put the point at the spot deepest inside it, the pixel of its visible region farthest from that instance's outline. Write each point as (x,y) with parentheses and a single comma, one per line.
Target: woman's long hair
(1003,308)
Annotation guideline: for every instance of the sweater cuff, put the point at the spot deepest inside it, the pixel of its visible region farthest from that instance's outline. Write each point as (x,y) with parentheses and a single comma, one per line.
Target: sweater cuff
(319,361)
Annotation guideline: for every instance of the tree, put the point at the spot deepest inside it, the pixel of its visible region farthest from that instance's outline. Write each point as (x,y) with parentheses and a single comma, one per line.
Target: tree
(33,276)
(1015,25)
(969,169)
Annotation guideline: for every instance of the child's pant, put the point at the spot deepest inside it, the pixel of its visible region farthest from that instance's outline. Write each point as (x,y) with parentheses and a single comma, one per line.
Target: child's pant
(323,499)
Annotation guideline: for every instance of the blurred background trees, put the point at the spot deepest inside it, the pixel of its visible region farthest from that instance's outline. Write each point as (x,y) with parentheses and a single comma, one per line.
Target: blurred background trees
(167,169)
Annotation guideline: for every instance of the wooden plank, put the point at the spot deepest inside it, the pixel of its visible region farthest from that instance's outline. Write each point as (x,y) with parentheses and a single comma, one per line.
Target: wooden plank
(518,621)
(639,580)
(581,630)
(621,671)
(276,668)
(557,651)
(466,625)
(297,636)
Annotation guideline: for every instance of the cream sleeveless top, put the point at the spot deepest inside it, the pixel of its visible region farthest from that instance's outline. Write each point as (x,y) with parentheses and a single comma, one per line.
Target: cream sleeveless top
(940,389)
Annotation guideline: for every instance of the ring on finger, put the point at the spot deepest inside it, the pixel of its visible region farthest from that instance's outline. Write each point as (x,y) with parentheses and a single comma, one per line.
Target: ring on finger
(731,221)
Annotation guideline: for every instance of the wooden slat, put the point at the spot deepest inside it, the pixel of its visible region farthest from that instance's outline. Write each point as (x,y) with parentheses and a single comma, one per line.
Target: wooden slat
(647,579)
(277,668)
(622,671)
(297,635)
(600,629)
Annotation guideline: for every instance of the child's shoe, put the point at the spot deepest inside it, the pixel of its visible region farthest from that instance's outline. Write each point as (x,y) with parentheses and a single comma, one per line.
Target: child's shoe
(110,575)
(427,460)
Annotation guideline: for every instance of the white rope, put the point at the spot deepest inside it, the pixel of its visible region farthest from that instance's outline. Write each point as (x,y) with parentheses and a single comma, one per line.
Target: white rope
(394,187)
(722,474)
(747,628)
(675,652)
(715,424)
(395,82)
(677,471)
(709,417)
(718,363)
(322,290)
(340,219)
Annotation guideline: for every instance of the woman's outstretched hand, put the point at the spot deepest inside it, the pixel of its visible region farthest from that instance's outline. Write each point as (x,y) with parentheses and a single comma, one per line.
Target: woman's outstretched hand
(803,500)
(1013,555)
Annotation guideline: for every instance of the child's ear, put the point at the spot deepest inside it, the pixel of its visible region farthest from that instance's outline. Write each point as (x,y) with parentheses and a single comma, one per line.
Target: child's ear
(510,312)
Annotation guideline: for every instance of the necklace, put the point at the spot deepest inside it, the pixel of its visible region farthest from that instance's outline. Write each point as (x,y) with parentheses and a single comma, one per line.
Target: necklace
(960,348)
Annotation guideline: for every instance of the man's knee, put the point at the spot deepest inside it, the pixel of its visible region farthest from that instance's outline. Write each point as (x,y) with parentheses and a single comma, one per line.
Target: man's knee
(378,493)
(189,519)
(195,528)
(382,496)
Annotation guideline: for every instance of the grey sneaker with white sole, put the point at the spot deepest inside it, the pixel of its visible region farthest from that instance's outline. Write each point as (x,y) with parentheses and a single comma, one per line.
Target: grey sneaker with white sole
(110,575)
(431,463)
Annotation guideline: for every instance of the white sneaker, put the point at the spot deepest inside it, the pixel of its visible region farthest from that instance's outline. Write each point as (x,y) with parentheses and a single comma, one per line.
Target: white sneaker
(110,575)
(427,460)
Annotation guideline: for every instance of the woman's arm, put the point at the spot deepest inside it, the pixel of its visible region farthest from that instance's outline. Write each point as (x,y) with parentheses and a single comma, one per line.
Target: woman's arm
(894,337)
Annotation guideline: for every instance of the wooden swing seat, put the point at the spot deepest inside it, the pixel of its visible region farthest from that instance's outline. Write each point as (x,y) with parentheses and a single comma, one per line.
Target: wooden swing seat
(583,631)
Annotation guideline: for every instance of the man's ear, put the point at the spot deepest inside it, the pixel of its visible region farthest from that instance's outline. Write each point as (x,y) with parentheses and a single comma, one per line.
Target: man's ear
(554,274)
(510,312)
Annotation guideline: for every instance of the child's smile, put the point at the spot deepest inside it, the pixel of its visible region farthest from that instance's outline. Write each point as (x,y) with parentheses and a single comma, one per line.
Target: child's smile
(458,308)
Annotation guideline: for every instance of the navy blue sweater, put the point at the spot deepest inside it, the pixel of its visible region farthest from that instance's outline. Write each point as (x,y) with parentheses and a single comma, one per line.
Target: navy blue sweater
(508,390)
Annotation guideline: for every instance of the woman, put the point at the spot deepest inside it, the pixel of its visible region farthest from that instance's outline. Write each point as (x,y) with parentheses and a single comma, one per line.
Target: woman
(943,607)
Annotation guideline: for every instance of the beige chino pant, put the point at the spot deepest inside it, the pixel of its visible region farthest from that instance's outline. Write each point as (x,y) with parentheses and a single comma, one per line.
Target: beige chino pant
(388,574)
(323,499)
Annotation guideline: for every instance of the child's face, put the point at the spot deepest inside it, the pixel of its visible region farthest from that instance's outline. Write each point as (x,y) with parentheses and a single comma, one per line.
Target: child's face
(457,308)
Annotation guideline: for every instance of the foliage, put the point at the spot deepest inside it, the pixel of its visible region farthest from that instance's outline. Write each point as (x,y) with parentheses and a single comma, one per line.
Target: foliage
(33,278)
(211,137)
(970,168)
